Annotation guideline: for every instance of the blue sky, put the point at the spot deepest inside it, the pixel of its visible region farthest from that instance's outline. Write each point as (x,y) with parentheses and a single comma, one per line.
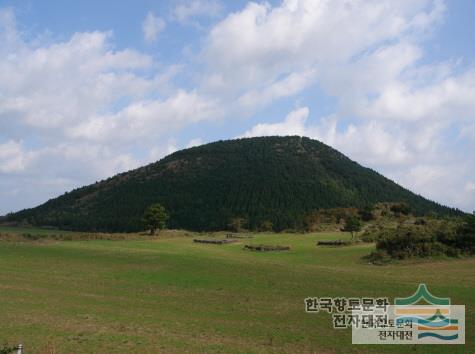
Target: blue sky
(92,88)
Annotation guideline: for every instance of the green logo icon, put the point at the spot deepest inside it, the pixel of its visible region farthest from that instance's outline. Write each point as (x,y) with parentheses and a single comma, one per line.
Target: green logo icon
(422,293)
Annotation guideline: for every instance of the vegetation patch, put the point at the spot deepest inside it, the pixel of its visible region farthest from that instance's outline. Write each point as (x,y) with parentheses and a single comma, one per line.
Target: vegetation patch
(425,239)
(265,248)
(6,349)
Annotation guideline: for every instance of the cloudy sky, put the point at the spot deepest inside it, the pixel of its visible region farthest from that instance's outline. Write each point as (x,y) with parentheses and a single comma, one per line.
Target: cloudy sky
(92,88)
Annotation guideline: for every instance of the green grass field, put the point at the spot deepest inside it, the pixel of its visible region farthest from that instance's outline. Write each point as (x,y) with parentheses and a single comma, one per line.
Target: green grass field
(171,295)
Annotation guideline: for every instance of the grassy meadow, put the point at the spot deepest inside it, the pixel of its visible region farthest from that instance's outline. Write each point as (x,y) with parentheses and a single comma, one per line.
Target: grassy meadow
(168,294)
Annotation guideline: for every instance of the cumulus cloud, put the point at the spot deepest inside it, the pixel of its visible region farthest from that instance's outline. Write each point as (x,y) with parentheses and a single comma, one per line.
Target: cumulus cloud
(83,88)
(12,157)
(86,107)
(152,26)
(147,119)
(260,43)
(290,85)
(293,124)
(60,84)
(29,177)
(185,11)
(194,142)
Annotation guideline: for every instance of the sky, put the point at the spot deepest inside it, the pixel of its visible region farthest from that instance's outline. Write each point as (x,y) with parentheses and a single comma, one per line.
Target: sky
(89,89)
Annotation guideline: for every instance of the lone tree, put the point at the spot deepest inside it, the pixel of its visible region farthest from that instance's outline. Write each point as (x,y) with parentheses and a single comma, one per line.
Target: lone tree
(155,217)
(352,225)
(237,224)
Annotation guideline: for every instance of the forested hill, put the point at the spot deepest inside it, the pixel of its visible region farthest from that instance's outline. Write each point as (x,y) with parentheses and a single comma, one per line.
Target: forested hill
(276,179)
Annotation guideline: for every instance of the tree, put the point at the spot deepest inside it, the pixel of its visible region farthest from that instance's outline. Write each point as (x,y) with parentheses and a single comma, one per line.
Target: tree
(155,217)
(266,226)
(352,225)
(237,224)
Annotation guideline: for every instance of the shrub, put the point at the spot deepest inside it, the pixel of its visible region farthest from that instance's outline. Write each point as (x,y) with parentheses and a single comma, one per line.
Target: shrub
(378,257)
(465,236)
(410,241)
(426,239)
(6,349)
(366,214)
(400,208)
(373,233)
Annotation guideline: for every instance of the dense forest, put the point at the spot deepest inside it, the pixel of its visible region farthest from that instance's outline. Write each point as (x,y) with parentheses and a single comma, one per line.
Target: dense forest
(273,181)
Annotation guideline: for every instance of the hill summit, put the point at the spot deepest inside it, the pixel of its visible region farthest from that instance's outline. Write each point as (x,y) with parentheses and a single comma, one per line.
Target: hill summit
(264,179)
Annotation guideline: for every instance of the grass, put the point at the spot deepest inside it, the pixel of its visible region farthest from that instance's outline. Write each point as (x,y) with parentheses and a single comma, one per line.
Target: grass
(172,295)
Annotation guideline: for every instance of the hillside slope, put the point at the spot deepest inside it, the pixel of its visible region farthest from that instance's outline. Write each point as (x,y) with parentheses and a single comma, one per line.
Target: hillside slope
(277,179)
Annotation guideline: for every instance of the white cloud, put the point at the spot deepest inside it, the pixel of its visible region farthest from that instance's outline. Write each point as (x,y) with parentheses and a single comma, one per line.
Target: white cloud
(152,26)
(452,98)
(288,86)
(157,152)
(184,11)
(261,43)
(12,157)
(470,187)
(86,106)
(194,142)
(60,84)
(84,89)
(293,124)
(147,119)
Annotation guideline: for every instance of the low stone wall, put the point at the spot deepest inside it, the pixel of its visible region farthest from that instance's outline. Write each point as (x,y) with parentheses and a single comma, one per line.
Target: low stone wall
(238,236)
(334,243)
(266,248)
(214,241)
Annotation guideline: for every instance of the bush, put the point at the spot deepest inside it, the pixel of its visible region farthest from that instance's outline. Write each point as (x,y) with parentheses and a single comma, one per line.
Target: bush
(373,233)
(366,214)
(425,240)
(368,237)
(5,349)
(400,208)
(379,257)
(406,242)
(465,239)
